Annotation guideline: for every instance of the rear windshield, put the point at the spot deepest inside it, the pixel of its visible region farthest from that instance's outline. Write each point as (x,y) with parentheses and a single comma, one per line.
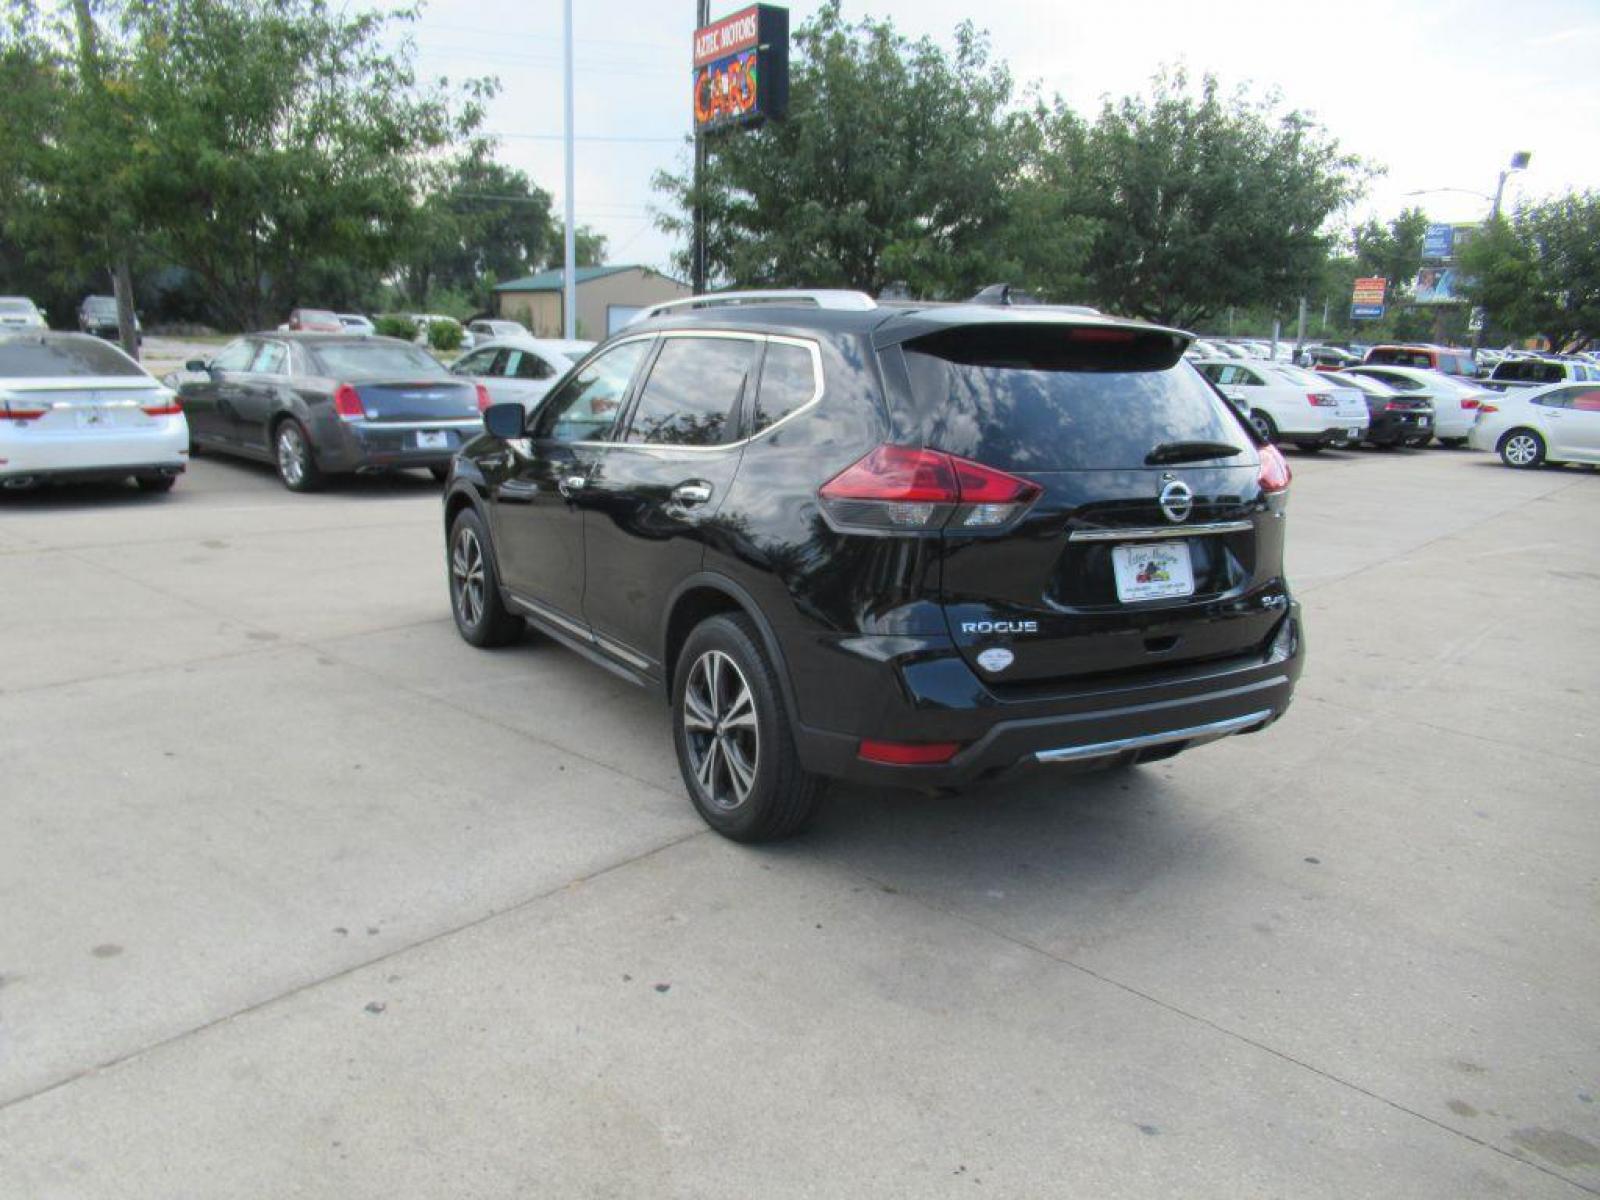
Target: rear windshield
(1024,401)
(49,358)
(320,315)
(1530,370)
(100,304)
(21,306)
(376,360)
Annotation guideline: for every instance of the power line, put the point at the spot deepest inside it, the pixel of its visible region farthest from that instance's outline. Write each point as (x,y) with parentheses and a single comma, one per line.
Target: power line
(594,137)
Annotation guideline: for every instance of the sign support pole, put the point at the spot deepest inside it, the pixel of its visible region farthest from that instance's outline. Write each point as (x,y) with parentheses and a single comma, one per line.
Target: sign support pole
(569,274)
(697,244)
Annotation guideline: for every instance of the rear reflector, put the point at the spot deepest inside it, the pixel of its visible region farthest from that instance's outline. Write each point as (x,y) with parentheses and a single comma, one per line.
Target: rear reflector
(907,754)
(1486,409)
(347,403)
(1275,474)
(18,412)
(902,488)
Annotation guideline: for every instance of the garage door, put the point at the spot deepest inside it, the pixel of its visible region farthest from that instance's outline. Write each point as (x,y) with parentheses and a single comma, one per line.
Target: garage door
(618,315)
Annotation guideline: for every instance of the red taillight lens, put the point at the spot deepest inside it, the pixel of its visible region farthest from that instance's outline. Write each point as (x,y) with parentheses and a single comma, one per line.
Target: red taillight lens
(1469,402)
(907,754)
(902,488)
(1321,399)
(483,397)
(1485,409)
(347,403)
(22,412)
(1274,475)
(170,407)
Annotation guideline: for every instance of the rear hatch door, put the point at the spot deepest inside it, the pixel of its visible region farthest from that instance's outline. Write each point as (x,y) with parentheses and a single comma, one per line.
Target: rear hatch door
(1151,544)
(418,399)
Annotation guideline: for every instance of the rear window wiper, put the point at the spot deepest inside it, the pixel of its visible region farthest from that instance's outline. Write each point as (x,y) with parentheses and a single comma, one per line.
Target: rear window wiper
(1172,452)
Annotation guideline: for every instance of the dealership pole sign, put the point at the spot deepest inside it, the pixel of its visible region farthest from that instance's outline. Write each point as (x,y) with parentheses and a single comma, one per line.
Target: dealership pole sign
(741,68)
(1366,300)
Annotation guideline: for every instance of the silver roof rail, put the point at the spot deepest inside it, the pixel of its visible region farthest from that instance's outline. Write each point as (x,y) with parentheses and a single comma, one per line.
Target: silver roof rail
(834,298)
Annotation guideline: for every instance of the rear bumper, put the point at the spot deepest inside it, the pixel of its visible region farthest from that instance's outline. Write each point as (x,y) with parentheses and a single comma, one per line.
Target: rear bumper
(1396,427)
(1338,435)
(1095,728)
(386,445)
(32,452)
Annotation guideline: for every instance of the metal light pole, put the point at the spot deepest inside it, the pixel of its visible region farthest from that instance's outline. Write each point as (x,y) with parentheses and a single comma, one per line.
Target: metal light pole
(569,299)
(1519,162)
(697,242)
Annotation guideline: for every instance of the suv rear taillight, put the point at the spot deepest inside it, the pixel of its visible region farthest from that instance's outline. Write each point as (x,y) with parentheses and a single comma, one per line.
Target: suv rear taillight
(1485,409)
(347,403)
(1321,399)
(1274,475)
(903,489)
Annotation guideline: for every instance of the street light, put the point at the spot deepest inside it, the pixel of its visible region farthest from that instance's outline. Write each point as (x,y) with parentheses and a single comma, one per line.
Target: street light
(1519,162)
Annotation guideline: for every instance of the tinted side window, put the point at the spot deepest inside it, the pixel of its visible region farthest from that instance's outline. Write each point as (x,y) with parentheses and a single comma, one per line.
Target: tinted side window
(236,357)
(788,382)
(272,358)
(693,393)
(585,407)
(1561,399)
(523,365)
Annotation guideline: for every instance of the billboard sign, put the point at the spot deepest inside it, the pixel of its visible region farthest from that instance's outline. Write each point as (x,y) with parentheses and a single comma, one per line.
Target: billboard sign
(1439,241)
(1369,291)
(1366,312)
(1438,285)
(741,68)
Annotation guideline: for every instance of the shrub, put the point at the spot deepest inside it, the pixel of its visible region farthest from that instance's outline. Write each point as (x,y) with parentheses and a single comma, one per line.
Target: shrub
(403,328)
(444,336)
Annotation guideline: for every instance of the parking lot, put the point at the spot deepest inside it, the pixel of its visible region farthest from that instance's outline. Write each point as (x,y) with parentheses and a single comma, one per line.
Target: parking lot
(302,895)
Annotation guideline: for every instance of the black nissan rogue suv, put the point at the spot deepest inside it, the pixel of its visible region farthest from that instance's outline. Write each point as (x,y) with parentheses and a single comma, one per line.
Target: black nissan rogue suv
(906,545)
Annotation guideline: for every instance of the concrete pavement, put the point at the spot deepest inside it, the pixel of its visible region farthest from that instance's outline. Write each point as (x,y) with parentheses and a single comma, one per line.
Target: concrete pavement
(302,896)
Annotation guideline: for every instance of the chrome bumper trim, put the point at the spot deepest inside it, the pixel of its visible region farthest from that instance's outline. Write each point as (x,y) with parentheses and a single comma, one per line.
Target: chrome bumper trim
(1158,531)
(1216,729)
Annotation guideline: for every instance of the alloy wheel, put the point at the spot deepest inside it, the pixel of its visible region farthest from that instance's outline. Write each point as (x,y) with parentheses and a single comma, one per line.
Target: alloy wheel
(292,455)
(466,577)
(1521,449)
(720,730)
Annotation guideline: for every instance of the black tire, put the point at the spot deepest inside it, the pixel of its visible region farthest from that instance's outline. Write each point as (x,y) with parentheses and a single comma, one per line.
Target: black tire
(155,483)
(779,795)
(1265,426)
(440,474)
(1452,443)
(294,458)
(1521,449)
(481,616)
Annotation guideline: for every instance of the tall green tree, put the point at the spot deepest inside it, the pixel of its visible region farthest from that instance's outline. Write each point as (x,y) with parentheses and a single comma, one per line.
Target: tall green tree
(893,167)
(1392,251)
(1539,273)
(1199,200)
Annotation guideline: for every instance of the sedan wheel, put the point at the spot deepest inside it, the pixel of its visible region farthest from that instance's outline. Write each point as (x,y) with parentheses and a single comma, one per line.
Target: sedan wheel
(1264,427)
(723,738)
(1522,448)
(292,453)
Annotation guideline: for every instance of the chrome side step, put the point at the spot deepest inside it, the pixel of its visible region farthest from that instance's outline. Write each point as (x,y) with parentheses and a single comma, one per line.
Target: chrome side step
(1195,733)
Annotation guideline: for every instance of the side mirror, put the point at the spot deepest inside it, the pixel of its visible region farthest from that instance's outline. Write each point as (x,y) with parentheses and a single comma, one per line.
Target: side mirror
(505,421)
(197,365)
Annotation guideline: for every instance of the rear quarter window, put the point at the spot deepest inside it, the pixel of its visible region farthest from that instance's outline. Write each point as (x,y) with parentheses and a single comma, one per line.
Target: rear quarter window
(1034,402)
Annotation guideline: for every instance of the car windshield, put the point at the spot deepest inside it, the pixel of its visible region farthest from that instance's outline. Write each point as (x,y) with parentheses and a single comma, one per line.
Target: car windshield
(100,305)
(376,360)
(52,358)
(16,306)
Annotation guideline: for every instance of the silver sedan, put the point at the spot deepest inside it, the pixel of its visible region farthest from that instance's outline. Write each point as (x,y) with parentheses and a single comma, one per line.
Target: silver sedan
(520,369)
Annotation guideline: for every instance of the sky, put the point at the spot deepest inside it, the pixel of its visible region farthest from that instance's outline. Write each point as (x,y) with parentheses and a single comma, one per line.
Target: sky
(1438,94)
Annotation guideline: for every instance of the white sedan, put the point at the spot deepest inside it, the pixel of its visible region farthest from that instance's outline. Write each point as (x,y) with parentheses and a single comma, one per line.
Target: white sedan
(1288,404)
(1455,400)
(520,368)
(75,407)
(1556,424)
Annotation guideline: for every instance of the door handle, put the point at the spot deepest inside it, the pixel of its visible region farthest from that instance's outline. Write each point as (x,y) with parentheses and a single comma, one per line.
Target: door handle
(690,494)
(570,484)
